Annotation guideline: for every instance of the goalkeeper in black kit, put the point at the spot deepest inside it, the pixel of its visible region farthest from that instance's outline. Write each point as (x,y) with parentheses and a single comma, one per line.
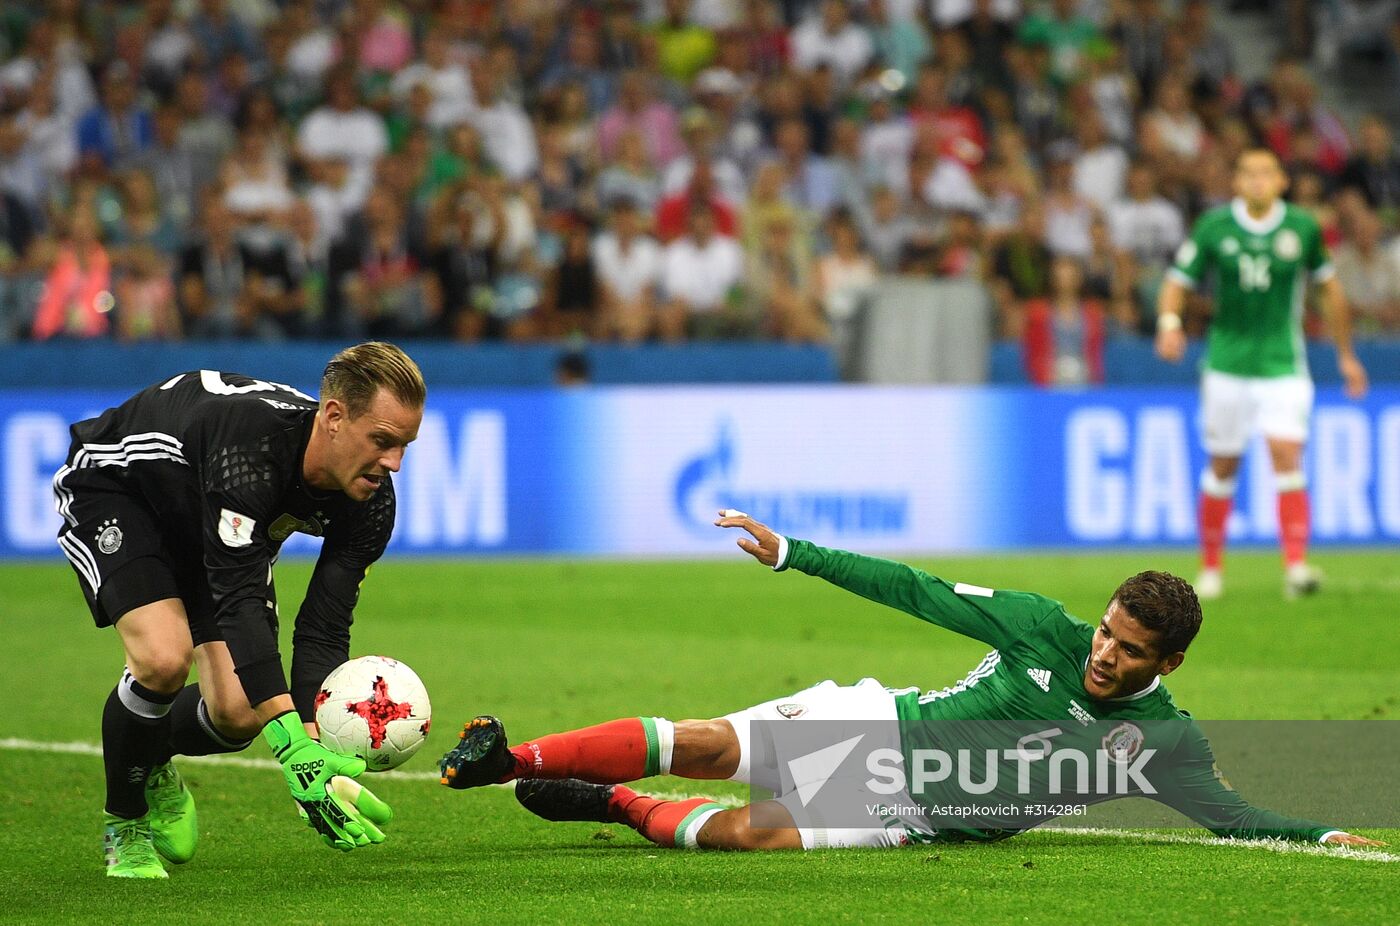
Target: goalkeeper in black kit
(175,505)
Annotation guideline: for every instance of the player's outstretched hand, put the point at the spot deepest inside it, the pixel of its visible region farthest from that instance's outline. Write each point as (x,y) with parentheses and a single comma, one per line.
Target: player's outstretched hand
(764,545)
(1347,839)
(1353,376)
(346,814)
(1171,344)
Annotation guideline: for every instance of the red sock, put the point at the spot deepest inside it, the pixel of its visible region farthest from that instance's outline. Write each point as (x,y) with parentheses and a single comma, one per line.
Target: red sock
(1213,514)
(660,821)
(604,754)
(1293,525)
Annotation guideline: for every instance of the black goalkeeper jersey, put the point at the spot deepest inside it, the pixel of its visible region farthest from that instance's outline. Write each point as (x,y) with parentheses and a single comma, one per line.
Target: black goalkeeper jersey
(217,458)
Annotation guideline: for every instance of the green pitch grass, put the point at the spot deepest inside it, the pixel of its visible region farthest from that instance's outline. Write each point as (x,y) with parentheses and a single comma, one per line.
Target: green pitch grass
(552,645)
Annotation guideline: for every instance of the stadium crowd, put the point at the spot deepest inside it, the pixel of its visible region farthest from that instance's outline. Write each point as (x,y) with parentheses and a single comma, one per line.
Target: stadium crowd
(639,169)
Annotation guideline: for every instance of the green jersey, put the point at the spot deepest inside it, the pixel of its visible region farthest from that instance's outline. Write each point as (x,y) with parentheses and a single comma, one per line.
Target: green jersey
(1036,673)
(1262,268)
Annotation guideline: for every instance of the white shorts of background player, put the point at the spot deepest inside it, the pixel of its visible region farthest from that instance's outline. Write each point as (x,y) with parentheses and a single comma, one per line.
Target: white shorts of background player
(1234,408)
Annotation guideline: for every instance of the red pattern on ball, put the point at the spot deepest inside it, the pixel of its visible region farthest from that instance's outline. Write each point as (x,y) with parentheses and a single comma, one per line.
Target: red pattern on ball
(379,710)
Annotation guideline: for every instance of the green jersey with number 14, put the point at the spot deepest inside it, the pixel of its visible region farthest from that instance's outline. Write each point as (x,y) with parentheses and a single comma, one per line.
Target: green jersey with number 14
(1262,268)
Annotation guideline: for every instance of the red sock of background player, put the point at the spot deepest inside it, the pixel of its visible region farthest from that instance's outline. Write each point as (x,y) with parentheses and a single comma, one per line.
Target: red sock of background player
(1293,517)
(666,823)
(1217,497)
(616,751)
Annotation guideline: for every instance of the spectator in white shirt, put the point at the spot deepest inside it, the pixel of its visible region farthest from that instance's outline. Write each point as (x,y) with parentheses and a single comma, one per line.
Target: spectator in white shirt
(48,146)
(629,264)
(949,13)
(629,175)
(1144,223)
(1179,126)
(43,51)
(335,197)
(1068,215)
(951,187)
(342,129)
(832,39)
(698,130)
(714,14)
(885,138)
(1101,166)
(701,276)
(254,178)
(169,45)
(447,81)
(1369,272)
(505,128)
(314,47)
(1114,90)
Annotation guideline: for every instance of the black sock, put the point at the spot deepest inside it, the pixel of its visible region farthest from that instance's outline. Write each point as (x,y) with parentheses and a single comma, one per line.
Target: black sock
(192,732)
(135,726)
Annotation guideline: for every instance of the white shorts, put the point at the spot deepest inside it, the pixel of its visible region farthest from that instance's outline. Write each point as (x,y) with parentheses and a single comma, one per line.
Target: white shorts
(866,709)
(1233,408)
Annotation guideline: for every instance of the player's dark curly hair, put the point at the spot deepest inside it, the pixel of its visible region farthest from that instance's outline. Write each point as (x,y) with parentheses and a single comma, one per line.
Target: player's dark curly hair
(1165,603)
(355,374)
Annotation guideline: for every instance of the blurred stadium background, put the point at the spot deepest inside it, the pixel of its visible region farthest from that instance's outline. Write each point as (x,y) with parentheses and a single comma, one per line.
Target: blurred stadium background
(766,199)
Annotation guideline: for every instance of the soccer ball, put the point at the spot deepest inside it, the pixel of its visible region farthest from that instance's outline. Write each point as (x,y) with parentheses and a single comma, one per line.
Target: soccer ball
(376,708)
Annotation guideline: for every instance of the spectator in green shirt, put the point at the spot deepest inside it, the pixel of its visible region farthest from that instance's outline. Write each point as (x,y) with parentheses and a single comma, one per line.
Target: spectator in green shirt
(685,49)
(1065,33)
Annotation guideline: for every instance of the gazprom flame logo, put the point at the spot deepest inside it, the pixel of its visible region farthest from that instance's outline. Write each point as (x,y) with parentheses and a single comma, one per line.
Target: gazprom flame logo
(708,482)
(702,484)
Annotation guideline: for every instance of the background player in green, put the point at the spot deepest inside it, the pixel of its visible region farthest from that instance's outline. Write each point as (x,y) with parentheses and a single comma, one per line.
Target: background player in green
(1262,253)
(1047,667)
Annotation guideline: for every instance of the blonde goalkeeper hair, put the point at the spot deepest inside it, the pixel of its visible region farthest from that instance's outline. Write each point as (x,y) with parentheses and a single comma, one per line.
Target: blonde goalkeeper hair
(354,375)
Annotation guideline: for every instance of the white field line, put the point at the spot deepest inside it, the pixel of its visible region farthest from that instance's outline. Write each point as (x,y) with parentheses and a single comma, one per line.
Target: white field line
(1270,845)
(15,744)
(93,749)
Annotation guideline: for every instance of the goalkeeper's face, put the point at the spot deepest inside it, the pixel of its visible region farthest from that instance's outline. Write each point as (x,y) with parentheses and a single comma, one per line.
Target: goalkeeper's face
(1124,657)
(365,449)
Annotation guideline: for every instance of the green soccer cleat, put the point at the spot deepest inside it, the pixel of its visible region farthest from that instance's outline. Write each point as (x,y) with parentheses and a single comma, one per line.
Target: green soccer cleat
(128,848)
(481,756)
(174,826)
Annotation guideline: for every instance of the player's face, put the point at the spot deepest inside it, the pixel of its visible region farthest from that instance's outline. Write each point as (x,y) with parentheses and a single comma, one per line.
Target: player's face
(1123,657)
(1258,178)
(365,449)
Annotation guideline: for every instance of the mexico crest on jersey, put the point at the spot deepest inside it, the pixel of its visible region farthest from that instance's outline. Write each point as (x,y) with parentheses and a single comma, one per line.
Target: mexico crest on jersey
(1287,245)
(1123,742)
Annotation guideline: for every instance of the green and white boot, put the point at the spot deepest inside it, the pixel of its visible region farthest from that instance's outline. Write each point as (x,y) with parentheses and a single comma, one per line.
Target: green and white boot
(174,826)
(128,848)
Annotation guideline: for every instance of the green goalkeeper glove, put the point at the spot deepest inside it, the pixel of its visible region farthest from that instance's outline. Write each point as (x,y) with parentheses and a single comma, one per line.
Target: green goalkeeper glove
(344,820)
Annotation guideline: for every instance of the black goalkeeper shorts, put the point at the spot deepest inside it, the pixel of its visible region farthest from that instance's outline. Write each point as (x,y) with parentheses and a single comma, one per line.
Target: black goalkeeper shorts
(114,543)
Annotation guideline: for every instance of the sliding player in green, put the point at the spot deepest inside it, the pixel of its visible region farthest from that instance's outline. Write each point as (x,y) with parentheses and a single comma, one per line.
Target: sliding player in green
(1262,252)
(1046,667)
